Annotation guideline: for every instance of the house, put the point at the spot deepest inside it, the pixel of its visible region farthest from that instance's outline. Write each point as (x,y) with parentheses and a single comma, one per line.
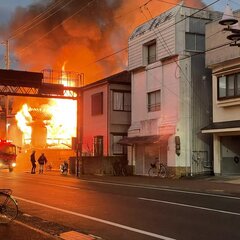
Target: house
(106,115)
(171,93)
(223,58)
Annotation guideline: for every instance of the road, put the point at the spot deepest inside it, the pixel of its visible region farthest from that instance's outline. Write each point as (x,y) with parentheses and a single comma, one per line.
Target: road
(114,211)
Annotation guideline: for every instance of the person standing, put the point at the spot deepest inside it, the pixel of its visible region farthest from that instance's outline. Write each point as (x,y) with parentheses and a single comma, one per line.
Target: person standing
(42,160)
(33,161)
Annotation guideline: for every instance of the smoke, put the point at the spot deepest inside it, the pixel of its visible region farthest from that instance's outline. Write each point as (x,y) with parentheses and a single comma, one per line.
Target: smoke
(89,35)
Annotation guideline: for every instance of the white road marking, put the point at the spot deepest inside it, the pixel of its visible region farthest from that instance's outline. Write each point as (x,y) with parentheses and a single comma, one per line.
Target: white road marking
(152,187)
(35,229)
(97,219)
(164,188)
(190,206)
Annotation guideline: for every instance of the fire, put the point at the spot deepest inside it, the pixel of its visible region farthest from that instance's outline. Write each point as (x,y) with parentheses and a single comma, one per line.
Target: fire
(63,79)
(24,118)
(64,119)
(59,118)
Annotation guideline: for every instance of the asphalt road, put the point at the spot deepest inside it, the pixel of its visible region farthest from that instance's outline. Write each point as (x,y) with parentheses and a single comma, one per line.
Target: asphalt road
(114,211)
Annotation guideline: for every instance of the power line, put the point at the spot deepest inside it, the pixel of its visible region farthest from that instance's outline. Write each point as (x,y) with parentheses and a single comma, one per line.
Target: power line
(81,9)
(38,19)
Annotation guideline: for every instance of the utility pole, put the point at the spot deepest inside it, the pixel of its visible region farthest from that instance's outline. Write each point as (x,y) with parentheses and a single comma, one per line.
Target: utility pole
(7,55)
(7,64)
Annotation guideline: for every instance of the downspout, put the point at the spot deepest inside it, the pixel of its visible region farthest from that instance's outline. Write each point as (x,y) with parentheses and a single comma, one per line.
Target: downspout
(108,113)
(190,116)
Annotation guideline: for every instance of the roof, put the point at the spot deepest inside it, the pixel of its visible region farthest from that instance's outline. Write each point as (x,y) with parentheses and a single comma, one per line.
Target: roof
(144,139)
(222,126)
(123,77)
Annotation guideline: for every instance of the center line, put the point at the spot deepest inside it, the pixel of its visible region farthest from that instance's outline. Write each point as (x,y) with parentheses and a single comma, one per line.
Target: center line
(97,219)
(190,206)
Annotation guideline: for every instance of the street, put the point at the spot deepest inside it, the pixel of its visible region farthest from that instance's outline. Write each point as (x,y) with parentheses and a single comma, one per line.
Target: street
(117,211)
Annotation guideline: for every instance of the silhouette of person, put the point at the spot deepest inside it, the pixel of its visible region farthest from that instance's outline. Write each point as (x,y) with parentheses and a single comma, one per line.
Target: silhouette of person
(42,160)
(33,161)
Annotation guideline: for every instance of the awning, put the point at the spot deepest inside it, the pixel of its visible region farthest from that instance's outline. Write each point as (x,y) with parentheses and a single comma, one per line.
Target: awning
(144,140)
(217,127)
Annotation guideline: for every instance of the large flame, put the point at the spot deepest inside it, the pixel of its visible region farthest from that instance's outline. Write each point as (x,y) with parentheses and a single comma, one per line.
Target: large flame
(60,126)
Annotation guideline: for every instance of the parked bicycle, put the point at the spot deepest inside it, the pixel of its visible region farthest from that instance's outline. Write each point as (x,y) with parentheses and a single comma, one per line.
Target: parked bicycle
(120,168)
(8,206)
(157,169)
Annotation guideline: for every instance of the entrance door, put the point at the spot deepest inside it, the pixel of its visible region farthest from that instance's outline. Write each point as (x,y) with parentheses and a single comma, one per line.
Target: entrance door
(230,154)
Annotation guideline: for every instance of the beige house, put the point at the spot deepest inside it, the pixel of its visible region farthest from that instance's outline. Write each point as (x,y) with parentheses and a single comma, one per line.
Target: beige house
(171,93)
(224,61)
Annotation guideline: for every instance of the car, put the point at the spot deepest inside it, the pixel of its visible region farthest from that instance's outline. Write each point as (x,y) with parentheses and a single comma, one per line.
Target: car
(7,155)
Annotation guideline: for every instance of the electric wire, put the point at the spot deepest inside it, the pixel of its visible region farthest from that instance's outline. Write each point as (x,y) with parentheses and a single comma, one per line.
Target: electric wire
(71,16)
(38,19)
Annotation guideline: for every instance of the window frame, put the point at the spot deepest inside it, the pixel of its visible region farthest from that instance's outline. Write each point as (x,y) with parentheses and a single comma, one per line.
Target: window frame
(97,104)
(120,146)
(156,106)
(125,107)
(152,58)
(147,59)
(98,145)
(196,42)
(229,93)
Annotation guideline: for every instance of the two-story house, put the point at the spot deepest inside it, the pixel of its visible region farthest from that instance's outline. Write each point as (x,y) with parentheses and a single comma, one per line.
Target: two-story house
(223,57)
(106,115)
(170,93)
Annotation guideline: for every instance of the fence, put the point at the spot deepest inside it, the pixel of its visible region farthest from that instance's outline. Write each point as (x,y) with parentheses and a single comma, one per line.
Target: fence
(98,165)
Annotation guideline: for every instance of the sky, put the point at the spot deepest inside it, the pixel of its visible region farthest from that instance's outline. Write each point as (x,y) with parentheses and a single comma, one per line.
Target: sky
(10,5)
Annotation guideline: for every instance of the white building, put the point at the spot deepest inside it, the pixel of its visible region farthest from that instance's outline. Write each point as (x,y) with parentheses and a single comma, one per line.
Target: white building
(171,93)
(224,60)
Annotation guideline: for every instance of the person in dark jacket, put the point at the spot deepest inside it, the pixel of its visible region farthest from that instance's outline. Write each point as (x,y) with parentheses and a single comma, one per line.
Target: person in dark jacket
(41,161)
(33,161)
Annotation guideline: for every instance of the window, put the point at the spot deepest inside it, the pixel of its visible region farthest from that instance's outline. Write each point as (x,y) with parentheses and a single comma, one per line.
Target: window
(97,104)
(117,148)
(98,145)
(121,101)
(195,42)
(152,53)
(154,99)
(229,86)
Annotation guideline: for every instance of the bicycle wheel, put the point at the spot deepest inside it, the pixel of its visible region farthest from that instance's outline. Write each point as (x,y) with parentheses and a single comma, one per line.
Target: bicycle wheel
(124,171)
(162,172)
(153,172)
(8,208)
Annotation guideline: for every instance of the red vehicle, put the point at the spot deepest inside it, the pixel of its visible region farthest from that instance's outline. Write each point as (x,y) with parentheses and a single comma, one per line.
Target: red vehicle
(7,155)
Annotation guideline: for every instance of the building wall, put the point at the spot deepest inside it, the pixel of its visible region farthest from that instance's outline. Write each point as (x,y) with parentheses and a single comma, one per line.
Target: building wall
(164,36)
(94,125)
(180,78)
(223,59)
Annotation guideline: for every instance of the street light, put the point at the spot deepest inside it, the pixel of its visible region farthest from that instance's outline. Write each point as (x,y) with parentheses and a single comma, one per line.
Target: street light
(232,26)
(227,18)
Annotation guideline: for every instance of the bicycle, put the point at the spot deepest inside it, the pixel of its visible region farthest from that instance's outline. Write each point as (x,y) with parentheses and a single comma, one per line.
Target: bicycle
(8,206)
(119,169)
(155,171)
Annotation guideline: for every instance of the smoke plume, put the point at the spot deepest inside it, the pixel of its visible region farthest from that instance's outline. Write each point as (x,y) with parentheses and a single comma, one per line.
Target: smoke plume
(90,36)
